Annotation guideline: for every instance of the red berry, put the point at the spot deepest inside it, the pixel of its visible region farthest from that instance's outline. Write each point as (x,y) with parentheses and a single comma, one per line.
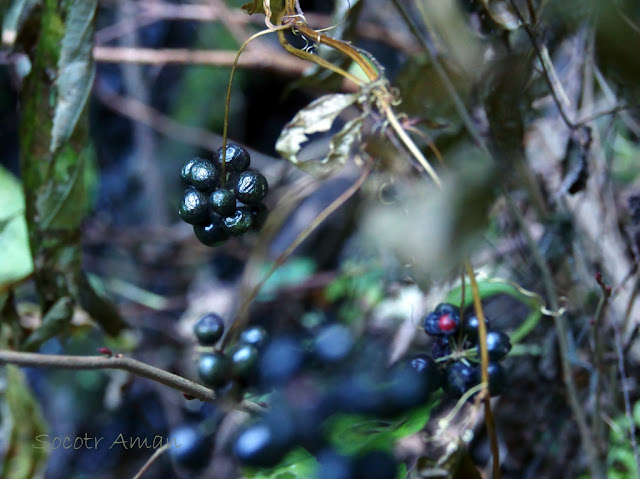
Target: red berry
(446,323)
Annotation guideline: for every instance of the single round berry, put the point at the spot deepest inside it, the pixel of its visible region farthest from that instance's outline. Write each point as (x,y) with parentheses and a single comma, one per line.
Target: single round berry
(212,234)
(255,336)
(185,173)
(209,329)
(223,202)
(194,208)
(281,359)
(443,321)
(332,465)
(237,159)
(261,445)
(333,343)
(440,347)
(251,187)
(460,378)
(498,380)
(259,213)
(243,361)
(498,345)
(213,369)
(428,371)
(204,176)
(446,324)
(194,451)
(239,223)
(471,324)
(375,465)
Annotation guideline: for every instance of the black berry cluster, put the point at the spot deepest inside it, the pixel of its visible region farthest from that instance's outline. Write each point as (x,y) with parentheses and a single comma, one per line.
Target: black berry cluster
(230,372)
(456,349)
(312,376)
(217,207)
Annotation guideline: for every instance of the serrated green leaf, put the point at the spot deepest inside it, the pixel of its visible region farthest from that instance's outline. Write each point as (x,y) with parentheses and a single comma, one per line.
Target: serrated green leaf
(23,460)
(16,262)
(318,117)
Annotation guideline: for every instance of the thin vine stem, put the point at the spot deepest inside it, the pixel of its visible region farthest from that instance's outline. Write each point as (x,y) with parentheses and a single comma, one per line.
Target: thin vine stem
(225,126)
(145,467)
(484,358)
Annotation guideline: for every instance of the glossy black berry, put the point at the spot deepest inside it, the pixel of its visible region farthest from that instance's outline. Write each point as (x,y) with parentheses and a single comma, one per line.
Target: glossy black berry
(255,336)
(243,361)
(428,371)
(194,208)
(498,380)
(259,213)
(204,176)
(237,159)
(460,378)
(498,345)
(375,465)
(443,321)
(191,449)
(265,443)
(212,234)
(213,369)
(185,173)
(209,329)
(251,187)
(239,223)
(471,327)
(223,202)
(332,465)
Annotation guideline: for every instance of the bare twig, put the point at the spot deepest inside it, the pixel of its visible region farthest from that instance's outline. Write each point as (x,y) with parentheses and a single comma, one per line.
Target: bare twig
(133,366)
(260,59)
(598,345)
(151,460)
(484,358)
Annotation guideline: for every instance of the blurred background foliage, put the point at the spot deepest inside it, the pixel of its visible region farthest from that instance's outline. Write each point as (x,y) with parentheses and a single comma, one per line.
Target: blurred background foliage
(529,109)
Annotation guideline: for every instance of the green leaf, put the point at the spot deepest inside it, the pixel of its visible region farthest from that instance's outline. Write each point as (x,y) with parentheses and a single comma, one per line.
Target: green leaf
(23,460)
(318,117)
(56,154)
(289,274)
(75,71)
(298,464)
(355,434)
(16,263)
